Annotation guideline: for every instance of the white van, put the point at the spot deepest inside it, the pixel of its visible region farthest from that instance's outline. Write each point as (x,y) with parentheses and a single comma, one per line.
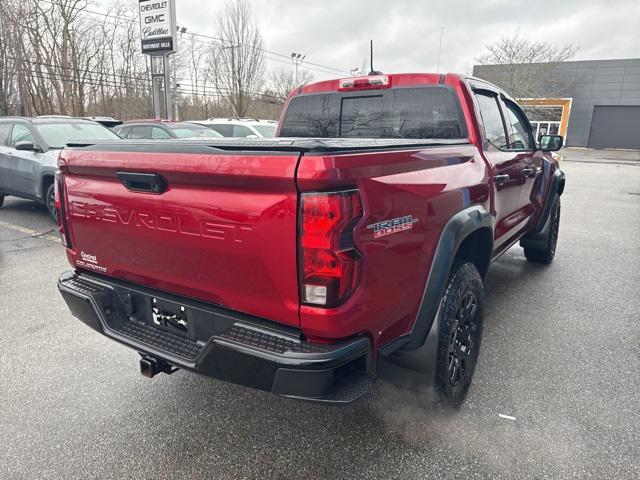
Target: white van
(241,127)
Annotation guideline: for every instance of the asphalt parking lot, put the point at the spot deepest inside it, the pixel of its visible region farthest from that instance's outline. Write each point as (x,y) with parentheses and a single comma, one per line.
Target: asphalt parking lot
(560,356)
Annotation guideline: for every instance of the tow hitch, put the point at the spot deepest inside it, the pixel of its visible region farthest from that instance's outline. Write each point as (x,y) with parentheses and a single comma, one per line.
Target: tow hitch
(150,367)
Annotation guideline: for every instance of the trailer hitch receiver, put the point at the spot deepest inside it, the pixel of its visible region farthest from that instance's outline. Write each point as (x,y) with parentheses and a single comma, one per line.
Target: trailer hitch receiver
(150,367)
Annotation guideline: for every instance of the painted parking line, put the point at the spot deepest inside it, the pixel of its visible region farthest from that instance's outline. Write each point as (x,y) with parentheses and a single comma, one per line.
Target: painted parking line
(32,233)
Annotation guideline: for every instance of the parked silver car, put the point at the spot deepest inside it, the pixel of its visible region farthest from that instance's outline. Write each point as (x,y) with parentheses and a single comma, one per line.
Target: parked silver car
(163,130)
(29,149)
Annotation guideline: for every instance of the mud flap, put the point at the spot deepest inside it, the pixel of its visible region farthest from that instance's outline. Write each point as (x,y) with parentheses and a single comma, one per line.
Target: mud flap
(414,369)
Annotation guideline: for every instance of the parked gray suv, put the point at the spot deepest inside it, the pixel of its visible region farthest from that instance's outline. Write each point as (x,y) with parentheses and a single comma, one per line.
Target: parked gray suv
(29,149)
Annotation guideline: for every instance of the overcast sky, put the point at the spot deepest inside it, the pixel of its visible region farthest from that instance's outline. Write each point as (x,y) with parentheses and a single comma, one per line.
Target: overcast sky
(406,33)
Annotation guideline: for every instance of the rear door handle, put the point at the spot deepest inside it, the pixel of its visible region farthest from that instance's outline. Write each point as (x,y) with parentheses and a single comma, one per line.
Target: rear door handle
(143,182)
(501,179)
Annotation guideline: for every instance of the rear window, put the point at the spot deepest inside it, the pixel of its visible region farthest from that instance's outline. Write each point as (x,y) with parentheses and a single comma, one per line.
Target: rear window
(414,113)
(190,130)
(5,128)
(57,135)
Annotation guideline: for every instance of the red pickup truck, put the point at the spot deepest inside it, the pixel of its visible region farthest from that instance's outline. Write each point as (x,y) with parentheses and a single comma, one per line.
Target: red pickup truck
(294,264)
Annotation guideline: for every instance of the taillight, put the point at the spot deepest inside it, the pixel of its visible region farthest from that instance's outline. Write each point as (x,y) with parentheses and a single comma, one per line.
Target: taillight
(329,261)
(365,83)
(60,210)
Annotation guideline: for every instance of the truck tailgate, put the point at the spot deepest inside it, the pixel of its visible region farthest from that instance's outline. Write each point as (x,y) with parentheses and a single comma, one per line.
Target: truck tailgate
(223,230)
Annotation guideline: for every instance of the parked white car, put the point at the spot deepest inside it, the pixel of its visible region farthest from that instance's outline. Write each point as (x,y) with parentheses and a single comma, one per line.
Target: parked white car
(241,127)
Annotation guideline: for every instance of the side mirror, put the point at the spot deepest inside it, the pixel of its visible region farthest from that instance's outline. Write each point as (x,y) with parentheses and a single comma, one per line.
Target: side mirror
(551,143)
(26,146)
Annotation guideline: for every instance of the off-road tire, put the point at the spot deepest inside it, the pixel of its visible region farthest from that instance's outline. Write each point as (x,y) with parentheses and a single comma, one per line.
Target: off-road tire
(547,254)
(50,202)
(459,333)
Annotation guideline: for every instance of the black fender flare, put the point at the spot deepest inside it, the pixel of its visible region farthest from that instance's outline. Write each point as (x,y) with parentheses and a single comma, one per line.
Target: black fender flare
(457,229)
(537,237)
(556,186)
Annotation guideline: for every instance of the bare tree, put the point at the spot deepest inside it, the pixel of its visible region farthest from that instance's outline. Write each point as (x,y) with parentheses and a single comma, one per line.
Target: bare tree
(56,57)
(282,82)
(526,67)
(238,62)
(7,63)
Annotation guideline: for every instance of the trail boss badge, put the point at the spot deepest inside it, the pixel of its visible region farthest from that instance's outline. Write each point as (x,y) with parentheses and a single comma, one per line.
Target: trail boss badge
(395,225)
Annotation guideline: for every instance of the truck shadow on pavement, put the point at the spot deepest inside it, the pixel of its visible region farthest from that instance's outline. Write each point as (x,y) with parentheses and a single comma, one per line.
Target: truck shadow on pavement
(264,435)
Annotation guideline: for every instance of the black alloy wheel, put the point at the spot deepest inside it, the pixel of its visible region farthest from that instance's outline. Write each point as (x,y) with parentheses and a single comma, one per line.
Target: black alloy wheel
(461,343)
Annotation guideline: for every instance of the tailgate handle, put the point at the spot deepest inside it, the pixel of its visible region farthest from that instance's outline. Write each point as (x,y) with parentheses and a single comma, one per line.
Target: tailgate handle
(143,182)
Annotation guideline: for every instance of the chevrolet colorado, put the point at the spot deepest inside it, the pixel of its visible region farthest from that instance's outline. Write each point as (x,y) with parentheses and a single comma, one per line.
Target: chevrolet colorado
(294,264)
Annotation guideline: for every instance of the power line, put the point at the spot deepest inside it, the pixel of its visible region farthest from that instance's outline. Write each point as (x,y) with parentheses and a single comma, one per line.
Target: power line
(105,73)
(108,81)
(326,68)
(209,92)
(264,50)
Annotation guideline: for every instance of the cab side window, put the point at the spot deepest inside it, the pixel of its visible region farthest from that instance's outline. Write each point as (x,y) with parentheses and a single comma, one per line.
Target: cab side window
(20,133)
(519,135)
(492,119)
(123,132)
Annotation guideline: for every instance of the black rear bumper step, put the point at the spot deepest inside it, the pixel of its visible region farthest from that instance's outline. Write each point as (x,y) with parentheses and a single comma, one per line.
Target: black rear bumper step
(159,340)
(220,343)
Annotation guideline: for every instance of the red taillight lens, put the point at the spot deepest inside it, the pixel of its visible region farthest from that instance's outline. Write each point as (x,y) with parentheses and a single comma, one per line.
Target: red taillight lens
(60,210)
(330,264)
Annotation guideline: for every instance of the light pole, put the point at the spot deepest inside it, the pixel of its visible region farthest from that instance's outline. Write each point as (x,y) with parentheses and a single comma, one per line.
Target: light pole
(235,82)
(297,59)
(440,49)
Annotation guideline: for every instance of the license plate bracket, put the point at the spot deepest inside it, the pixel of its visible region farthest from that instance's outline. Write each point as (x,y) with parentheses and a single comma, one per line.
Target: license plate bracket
(171,317)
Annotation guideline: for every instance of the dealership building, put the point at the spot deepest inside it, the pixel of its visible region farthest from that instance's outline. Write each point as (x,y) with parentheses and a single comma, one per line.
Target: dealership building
(591,103)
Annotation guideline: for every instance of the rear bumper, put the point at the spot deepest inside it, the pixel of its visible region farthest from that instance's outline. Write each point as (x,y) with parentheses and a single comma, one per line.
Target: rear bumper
(220,343)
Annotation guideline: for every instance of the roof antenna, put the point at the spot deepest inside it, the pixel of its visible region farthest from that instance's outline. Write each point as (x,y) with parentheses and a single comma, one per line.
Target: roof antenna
(373,72)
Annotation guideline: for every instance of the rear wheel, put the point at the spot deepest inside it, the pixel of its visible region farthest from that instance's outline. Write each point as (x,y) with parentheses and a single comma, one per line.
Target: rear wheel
(460,332)
(546,255)
(1,200)
(50,202)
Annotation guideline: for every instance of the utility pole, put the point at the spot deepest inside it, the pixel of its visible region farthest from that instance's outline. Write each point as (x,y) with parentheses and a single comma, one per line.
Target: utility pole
(168,101)
(440,49)
(297,59)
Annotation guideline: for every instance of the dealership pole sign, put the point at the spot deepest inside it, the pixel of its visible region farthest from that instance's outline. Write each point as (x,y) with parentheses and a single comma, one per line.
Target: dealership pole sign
(158,26)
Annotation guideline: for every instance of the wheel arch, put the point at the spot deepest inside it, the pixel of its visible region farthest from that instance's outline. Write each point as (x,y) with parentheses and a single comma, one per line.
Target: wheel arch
(477,248)
(45,182)
(467,235)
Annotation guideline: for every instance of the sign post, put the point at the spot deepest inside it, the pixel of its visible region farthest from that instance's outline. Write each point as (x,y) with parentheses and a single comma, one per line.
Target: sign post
(158,34)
